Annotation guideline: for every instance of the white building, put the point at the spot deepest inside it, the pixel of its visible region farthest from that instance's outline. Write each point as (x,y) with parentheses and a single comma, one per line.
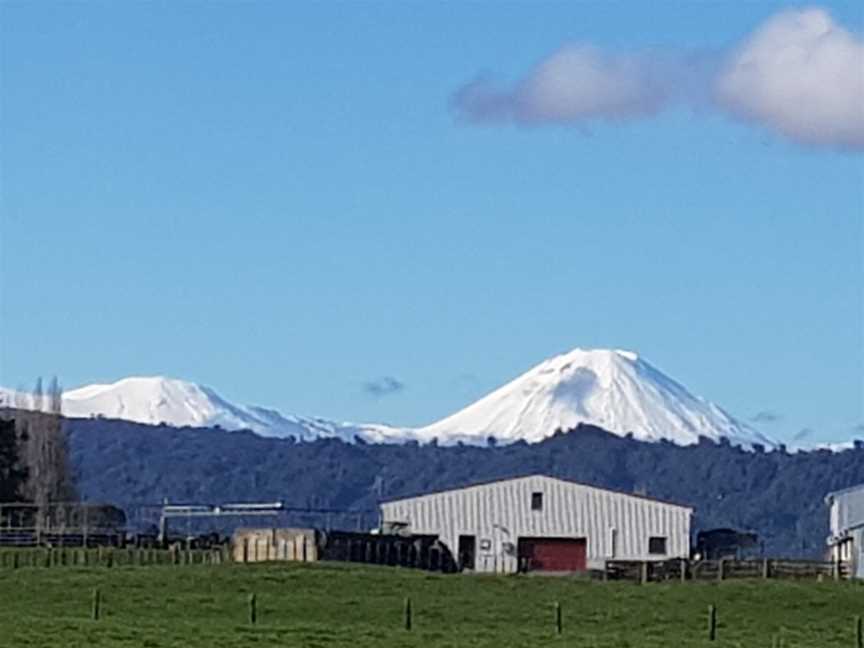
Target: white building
(544,523)
(846,519)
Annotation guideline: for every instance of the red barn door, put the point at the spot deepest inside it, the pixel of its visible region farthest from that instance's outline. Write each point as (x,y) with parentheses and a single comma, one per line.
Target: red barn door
(553,554)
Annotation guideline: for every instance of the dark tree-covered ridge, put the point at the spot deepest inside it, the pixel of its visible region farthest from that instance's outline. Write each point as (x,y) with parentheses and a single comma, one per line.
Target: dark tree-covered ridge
(777,494)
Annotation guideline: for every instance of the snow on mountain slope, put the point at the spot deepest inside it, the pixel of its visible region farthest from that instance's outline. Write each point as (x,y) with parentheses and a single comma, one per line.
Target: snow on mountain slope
(155,400)
(615,390)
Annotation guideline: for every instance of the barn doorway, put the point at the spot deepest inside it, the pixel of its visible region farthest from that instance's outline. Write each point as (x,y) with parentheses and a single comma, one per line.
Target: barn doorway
(553,554)
(467,551)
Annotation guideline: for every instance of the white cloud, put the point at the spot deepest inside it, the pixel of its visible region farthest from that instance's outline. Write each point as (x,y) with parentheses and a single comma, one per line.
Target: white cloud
(801,75)
(578,82)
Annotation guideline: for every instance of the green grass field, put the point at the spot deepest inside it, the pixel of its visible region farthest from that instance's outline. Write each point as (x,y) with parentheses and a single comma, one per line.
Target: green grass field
(349,605)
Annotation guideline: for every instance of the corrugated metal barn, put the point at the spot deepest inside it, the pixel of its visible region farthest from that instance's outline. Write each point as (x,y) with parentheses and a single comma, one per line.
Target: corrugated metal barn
(545,524)
(846,519)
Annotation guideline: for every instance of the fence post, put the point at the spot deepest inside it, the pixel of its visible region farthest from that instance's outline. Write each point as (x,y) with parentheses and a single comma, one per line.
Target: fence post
(84,534)
(558,625)
(97,600)
(644,572)
(253,611)
(859,633)
(712,623)
(720,569)
(683,570)
(407,613)
(765,569)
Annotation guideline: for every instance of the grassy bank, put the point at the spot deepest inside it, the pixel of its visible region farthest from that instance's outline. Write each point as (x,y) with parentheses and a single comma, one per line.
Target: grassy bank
(343,604)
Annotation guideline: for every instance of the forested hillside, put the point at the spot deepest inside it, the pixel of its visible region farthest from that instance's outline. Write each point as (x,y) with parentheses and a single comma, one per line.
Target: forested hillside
(777,494)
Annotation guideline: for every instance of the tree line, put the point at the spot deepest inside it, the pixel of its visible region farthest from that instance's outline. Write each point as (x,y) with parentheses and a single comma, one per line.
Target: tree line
(776,494)
(35,466)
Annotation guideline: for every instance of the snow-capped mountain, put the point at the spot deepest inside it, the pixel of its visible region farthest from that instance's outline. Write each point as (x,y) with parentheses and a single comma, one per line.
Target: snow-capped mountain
(156,400)
(615,390)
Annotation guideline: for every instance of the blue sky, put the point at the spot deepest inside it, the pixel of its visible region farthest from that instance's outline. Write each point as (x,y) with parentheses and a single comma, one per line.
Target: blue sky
(283,201)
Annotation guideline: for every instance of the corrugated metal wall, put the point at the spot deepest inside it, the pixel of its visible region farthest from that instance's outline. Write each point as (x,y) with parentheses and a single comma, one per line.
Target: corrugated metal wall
(847,527)
(501,513)
(847,510)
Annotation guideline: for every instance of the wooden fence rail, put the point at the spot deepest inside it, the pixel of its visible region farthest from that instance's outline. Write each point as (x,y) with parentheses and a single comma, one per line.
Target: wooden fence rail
(680,569)
(19,558)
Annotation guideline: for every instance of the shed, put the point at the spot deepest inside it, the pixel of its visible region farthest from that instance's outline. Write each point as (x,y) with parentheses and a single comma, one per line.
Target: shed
(846,521)
(728,544)
(545,524)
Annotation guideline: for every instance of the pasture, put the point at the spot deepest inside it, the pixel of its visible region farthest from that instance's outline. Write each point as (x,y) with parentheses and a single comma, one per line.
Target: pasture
(338,604)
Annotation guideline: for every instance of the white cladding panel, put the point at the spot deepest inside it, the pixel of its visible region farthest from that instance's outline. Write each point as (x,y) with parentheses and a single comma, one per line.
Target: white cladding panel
(615,525)
(847,510)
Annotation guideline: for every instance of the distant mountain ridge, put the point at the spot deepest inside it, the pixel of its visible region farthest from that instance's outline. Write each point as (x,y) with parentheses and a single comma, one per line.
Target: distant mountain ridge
(613,389)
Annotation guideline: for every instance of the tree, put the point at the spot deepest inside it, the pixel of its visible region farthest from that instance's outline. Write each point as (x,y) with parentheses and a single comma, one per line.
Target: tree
(46,452)
(55,397)
(13,474)
(37,399)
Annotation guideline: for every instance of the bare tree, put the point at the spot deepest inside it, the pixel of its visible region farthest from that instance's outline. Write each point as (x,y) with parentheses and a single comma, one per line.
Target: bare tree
(55,397)
(46,452)
(37,398)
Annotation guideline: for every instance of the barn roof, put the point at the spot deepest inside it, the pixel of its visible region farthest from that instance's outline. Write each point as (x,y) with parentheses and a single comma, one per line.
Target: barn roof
(843,491)
(489,482)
